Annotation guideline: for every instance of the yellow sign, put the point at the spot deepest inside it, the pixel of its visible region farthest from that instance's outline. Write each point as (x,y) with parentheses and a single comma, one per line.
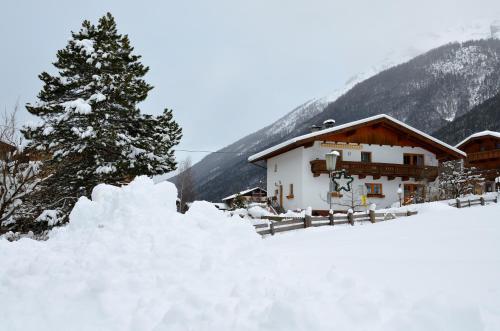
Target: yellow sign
(363,200)
(342,146)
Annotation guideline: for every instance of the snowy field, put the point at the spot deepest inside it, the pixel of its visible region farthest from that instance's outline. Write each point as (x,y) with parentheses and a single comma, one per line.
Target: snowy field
(128,261)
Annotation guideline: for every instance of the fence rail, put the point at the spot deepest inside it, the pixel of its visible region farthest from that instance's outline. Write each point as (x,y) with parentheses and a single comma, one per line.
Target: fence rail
(461,203)
(282,223)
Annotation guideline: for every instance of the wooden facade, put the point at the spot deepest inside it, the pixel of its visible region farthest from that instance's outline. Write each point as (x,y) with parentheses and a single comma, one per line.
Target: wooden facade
(377,170)
(483,153)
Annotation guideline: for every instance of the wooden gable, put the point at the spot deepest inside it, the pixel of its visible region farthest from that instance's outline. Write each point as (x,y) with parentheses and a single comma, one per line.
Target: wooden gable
(385,132)
(379,130)
(479,144)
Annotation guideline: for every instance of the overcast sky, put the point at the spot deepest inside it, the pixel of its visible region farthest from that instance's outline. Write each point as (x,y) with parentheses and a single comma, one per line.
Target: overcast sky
(228,67)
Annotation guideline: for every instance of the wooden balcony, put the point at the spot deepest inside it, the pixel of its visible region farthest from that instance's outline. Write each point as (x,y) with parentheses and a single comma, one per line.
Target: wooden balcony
(377,170)
(485,155)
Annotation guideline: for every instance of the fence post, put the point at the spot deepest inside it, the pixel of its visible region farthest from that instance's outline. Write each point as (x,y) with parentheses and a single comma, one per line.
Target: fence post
(459,203)
(469,201)
(307,221)
(373,207)
(330,217)
(372,216)
(271,227)
(307,217)
(350,216)
(482,201)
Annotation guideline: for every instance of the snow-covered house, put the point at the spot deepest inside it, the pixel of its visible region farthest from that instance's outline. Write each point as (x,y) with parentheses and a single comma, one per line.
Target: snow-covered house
(255,194)
(383,155)
(483,153)
(5,149)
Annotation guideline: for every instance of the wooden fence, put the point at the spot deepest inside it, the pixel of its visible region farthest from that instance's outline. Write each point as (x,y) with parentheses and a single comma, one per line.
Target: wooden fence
(460,203)
(282,224)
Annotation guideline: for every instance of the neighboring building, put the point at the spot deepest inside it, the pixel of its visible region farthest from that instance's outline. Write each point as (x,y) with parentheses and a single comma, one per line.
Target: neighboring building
(483,153)
(382,154)
(255,194)
(5,149)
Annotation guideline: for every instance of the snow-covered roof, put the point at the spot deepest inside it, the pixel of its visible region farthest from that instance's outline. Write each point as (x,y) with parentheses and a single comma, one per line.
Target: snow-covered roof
(242,193)
(479,134)
(347,125)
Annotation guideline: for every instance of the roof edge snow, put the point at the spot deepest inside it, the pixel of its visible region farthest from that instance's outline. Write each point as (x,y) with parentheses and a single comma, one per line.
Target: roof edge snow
(484,133)
(275,148)
(232,196)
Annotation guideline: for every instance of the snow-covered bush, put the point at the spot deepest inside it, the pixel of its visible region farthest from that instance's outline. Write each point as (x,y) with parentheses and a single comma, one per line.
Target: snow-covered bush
(455,179)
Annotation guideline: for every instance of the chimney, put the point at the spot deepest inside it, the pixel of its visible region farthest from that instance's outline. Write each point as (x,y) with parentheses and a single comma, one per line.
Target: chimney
(329,123)
(315,128)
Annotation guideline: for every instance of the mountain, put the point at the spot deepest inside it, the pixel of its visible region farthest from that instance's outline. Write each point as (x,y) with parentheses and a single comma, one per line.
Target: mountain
(428,92)
(485,116)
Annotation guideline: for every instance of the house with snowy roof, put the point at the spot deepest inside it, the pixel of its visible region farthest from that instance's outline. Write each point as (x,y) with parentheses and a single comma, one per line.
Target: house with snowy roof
(483,153)
(255,194)
(387,160)
(5,149)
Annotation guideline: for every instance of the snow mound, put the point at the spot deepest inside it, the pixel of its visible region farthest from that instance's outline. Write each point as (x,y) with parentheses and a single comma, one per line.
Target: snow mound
(128,261)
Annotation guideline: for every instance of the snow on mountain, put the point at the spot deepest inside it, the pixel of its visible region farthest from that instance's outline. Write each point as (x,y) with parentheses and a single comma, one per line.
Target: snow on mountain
(480,29)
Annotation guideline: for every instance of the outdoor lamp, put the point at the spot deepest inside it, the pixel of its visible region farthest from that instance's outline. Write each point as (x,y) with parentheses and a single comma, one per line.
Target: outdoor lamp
(331,160)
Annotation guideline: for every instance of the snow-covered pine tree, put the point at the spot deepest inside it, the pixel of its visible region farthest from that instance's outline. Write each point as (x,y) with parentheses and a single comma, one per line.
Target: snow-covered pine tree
(91,130)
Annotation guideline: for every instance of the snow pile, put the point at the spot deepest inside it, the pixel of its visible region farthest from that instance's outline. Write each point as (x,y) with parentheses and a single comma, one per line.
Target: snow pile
(258,212)
(128,261)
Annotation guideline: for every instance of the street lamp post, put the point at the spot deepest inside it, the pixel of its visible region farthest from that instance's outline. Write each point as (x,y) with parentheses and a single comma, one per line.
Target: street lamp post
(331,163)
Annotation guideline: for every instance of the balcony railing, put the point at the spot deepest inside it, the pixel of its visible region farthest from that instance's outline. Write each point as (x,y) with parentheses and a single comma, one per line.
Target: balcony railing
(378,169)
(485,155)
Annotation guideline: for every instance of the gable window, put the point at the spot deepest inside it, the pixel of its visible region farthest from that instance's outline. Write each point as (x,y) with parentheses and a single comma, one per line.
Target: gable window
(366,157)
(413,159)
(374,190)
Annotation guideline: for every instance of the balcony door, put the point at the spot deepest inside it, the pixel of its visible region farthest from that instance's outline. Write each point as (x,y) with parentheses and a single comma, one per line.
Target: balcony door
(413,159)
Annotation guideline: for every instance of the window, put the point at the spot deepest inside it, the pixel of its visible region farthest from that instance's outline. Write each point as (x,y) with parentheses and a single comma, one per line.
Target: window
(413,159)
(374,189)
(366,157)
(276,167)
(497,145)
(290,193)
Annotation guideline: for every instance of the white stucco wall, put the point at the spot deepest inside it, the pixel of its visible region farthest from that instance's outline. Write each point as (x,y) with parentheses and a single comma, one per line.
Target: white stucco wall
(289,170)
(294,167)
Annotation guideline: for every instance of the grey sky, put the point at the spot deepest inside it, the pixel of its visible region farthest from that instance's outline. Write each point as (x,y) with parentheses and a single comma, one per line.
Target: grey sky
(228,68)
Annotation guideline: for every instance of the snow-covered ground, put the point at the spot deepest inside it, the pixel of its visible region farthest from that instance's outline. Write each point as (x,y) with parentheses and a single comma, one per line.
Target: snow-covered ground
(128,261)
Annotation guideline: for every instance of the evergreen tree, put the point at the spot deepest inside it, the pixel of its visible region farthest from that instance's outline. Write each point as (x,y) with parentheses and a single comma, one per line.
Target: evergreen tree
(91,130)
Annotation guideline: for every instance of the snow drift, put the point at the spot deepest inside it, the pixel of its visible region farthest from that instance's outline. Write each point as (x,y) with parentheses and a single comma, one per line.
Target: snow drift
(128,261)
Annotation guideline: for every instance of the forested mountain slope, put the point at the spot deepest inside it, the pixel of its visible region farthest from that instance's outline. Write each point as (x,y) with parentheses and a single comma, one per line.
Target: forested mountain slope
(485,116)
